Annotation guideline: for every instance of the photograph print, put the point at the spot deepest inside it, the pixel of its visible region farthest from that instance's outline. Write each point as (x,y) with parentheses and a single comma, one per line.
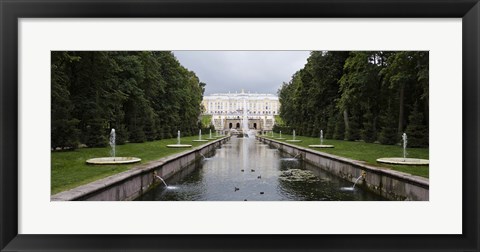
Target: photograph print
(239,126)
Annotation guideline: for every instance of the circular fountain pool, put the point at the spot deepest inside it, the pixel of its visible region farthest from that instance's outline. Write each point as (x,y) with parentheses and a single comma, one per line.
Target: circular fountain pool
(113,160)
(403,161)
(179,145)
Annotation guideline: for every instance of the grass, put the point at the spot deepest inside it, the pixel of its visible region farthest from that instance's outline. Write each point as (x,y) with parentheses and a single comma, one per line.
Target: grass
(367,152)
(69,169)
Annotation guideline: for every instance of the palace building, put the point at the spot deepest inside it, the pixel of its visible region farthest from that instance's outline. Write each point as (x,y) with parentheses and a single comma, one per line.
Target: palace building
(229,109)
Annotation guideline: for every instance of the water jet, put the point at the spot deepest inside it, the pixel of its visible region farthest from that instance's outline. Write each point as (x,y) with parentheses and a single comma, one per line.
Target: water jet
(210,137)
(113,159)
(321,145)
(354,184)
(293,140)
(280,138)
(179,145)
(404,160)
(200,137)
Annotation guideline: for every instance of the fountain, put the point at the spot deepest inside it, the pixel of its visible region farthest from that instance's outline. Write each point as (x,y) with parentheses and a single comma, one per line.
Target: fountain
(200,137)
(113,159)
(292,158)
(205,158)
(216,179)
(210,137)
(245,128)
(155,176)
(161,179)
(321,145)
(112,143)
(404,160)
(179,145)
(280,138)
(293,140)
(354,184)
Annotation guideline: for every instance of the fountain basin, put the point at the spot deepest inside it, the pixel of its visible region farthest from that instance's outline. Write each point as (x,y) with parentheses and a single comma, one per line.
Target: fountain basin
(179,145)
(200,140)
(280,138)
(403,161)
(320,146)
(293,141)
(113,160)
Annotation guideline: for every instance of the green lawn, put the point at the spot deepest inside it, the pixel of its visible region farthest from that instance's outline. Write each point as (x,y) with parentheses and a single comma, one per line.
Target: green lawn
(69,169)
(367,152)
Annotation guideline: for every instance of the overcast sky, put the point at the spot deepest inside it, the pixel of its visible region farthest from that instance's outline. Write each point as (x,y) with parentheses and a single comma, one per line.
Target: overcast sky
(254,71)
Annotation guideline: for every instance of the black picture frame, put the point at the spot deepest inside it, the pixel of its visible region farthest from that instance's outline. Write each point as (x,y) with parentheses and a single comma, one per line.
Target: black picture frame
(11,11)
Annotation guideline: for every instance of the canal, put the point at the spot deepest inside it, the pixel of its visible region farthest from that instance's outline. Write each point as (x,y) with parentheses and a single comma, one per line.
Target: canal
(246,169)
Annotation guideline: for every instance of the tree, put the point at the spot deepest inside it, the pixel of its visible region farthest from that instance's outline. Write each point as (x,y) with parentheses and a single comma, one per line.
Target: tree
(64,132)
(339,133)
(400,74)
(416,130)
(360,89)
(308,99)
(330,127)
(93,82)
(368,132)
(388,133)
(143,95)
(352,133)
(358,94)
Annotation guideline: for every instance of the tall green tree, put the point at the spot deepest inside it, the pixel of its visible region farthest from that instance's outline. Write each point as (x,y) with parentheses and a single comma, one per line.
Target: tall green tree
(388,133)
(367,95)
(360,89)
(93,79)
(64,132)
(416,130)
(143,95)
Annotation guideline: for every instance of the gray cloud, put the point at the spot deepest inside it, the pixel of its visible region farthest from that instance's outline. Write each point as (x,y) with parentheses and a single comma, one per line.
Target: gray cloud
(254,71)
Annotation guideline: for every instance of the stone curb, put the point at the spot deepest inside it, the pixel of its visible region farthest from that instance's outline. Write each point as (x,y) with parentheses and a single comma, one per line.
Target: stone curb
(421,181)
(101,184)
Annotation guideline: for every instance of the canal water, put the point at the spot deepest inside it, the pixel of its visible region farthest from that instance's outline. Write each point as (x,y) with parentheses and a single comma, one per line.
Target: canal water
(246,169)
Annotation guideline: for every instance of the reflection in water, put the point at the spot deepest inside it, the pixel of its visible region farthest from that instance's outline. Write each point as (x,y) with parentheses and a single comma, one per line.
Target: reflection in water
(245,169)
